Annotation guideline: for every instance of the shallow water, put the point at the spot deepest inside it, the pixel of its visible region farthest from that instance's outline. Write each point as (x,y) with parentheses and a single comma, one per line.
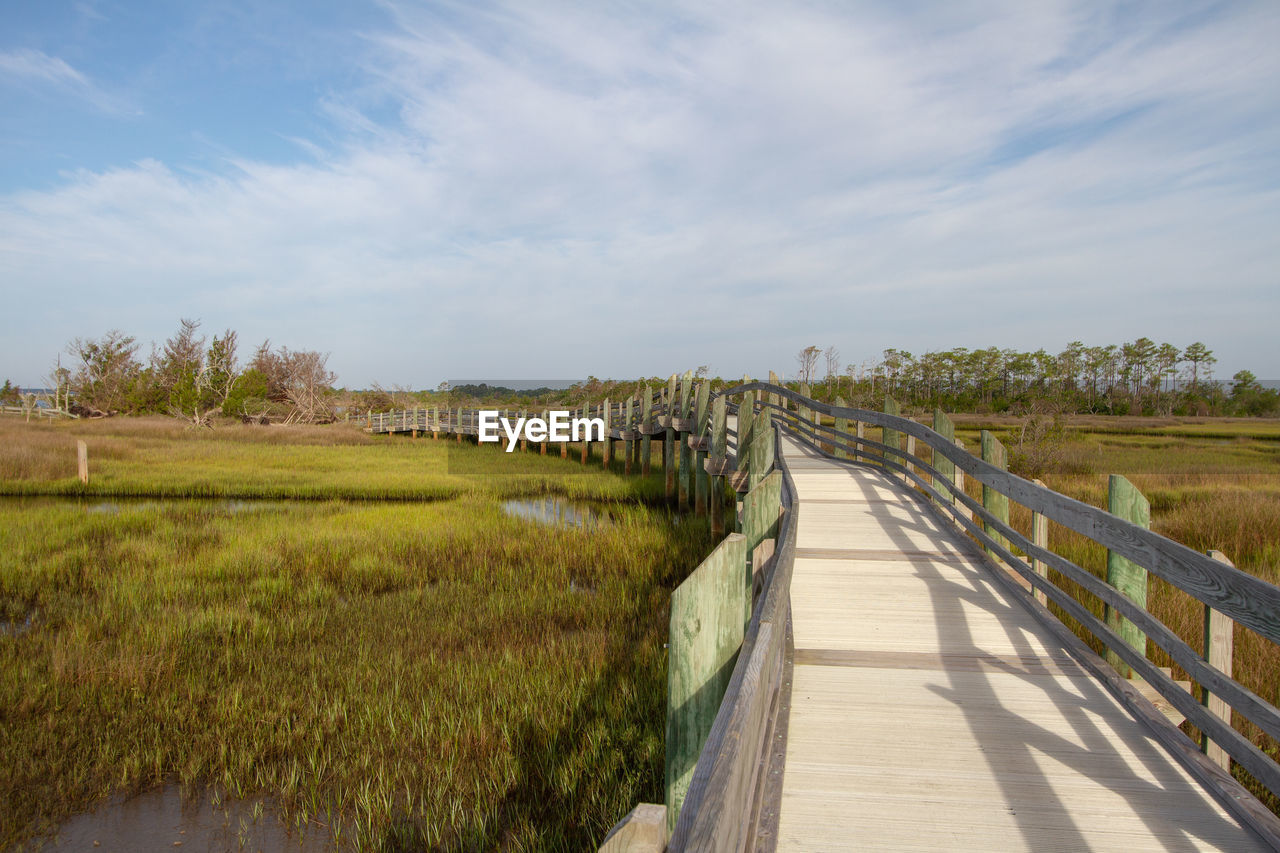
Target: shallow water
(162,820)
(556,512)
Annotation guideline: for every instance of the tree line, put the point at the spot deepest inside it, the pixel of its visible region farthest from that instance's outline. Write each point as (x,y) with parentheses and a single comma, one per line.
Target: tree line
(194,378)
(1138,378)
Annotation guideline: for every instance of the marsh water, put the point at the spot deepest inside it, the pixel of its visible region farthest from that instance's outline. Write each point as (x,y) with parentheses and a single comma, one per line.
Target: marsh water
(164,819)
(555,512)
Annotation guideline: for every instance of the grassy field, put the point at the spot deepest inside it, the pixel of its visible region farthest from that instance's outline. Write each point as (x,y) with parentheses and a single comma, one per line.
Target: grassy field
(159,457)
(411,673)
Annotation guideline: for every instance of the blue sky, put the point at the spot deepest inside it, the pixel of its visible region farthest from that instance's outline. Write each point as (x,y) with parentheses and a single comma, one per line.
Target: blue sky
(428,190)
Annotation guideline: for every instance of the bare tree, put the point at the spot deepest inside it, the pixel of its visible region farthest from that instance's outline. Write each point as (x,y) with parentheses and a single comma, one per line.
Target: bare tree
(807,361)
(832,356)
(309,385)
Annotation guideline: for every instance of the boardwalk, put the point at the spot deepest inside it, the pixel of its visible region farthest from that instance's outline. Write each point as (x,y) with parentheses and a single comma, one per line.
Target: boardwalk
(931,711)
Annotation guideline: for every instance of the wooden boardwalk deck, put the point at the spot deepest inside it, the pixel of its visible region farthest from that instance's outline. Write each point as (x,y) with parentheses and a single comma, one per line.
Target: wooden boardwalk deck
(930,709)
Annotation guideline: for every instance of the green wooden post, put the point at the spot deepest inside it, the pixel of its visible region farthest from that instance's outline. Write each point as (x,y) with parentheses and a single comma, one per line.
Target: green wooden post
(842,425)
(993,501)
(705,637)
(746,419)
(774,379)
(891,437)
(760,517)
(646,440)
(801,409)
(761,448)
(702,419)
(719,453)
(606,412)
(627,427)
(669,440)
(1125,501)
(943,426)
(686,453)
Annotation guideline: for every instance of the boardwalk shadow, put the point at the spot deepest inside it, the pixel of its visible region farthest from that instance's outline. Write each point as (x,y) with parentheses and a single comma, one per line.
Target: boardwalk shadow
(1100,741)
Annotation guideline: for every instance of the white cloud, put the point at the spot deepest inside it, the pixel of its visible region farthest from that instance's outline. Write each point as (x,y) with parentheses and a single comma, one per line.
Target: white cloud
(1019,175)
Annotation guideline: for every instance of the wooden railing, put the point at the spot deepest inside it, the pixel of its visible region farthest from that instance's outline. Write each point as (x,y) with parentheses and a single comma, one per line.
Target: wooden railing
(726,679)
(1227,594)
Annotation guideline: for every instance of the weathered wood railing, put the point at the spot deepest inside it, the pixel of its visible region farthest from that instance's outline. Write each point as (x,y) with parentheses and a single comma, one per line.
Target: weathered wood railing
(1227,594)
(726,676)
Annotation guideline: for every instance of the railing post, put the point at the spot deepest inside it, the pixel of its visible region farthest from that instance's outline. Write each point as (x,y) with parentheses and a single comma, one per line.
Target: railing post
(542,445)
(891,437)
(686,453)
(1040,538)
(842,425)
(994,502)
(669,441)
(946,469)
(629,443)
(646,438)
(1219,644)
(760,512)
(719,454)
(960,507)
(701,417)
(762,448)
(774,379)
(804,411)
(606,454)
(1125,501)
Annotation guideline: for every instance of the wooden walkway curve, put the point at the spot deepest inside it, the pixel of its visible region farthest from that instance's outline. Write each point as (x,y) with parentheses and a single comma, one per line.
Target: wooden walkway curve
(931,710)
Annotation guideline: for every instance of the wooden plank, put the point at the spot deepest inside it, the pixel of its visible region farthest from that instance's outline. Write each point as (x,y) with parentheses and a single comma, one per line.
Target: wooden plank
(705,636)
(1125,501)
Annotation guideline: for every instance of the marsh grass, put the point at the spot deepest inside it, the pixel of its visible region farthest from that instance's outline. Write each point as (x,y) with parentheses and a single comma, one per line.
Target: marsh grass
(158,458)
(412,674)
(409,674)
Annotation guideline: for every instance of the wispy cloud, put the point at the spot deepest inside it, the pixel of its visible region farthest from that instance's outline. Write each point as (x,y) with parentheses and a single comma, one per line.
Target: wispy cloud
(35,65)
(680,180)
(36,69)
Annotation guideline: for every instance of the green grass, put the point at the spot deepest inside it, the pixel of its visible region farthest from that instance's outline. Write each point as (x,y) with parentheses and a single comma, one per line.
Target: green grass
(426,673)
(155,457)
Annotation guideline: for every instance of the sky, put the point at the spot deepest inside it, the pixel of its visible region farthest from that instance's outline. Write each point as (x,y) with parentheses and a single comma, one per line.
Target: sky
(544,189)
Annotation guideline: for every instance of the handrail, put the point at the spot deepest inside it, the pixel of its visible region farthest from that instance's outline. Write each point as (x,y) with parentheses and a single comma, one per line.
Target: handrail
(1254,603)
